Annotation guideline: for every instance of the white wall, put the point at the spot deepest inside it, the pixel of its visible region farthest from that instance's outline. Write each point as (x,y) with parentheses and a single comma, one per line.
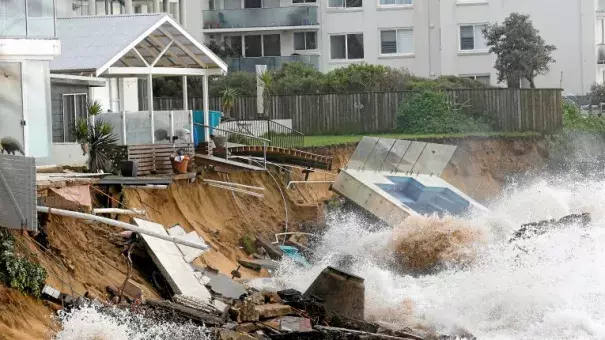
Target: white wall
(66,154)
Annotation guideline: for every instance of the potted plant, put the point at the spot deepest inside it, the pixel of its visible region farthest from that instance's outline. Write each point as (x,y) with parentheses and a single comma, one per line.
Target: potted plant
(180,162)
(80,131)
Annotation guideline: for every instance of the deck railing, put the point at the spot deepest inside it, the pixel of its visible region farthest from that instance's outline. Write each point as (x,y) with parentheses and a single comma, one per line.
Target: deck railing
(278,134)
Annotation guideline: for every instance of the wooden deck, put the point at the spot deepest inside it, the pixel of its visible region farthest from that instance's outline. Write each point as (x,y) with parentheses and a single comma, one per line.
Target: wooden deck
(223,163)
(283,155)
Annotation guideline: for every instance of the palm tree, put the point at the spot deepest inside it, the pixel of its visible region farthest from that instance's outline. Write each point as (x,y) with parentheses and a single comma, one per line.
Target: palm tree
(228,97)
(267,79)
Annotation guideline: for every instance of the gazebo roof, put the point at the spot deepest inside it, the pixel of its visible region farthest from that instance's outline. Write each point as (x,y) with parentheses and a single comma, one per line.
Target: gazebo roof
(130,45)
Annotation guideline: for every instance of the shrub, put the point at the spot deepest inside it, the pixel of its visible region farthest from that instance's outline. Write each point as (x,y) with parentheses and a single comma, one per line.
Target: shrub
(597,94)
(573,120)
(430,112)
(18,272)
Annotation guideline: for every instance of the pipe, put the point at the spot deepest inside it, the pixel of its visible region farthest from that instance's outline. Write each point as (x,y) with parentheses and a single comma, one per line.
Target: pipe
(237,190)
(132,212)
(309,182)
(149,186)
(234,184)
(119,224)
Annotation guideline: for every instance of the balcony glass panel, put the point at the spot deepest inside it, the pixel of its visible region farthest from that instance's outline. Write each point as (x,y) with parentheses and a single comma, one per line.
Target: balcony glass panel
(601,5)
(273,63)
(27,18)
(261,17)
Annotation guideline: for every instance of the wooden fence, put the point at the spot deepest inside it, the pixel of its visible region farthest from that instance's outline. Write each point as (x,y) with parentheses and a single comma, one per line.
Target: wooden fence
(538,110)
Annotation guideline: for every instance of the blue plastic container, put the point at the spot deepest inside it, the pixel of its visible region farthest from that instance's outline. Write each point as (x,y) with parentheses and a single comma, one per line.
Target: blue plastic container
(198,117)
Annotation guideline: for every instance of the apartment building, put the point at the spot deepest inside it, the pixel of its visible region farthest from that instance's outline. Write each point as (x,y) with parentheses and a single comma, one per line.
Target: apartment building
(27,44)
(429,38)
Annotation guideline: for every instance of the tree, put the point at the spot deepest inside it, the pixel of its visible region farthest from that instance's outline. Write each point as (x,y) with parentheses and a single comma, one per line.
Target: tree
(521,52)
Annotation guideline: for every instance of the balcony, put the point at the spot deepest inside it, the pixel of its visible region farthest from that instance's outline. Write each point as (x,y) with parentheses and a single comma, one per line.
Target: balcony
(278,17)
(601,54)
(27,19)
(273,63)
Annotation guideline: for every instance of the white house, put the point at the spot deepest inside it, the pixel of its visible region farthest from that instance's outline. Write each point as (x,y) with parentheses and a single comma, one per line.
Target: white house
(28,43)
(103,59)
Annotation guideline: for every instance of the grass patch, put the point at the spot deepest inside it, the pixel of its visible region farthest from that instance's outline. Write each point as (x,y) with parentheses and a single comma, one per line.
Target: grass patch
(325,140)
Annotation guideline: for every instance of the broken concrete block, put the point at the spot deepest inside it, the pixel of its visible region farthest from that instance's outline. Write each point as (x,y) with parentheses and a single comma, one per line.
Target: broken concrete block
(257,298)
(272,310)
(271,297)
(247,327)
(244,311)
(133,291)
(227,334)
(295,324)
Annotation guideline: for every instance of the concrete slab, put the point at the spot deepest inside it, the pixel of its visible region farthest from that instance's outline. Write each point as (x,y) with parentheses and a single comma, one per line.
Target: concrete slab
(189,254)
(169,260)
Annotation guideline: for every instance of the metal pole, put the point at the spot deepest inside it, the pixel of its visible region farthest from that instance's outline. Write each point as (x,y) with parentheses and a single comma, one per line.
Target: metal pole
(265,155)
(119,224)
(206,109)
(185,94)
(150,104)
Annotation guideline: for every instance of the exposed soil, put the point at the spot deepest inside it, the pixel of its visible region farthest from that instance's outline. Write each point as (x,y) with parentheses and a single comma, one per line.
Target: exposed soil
(87,256)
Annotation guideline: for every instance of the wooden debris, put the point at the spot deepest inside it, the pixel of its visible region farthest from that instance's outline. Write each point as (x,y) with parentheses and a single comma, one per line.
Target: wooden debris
(187,312)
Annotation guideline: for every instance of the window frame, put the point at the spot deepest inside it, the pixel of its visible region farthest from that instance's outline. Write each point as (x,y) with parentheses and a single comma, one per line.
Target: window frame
(305,39)
(346,46)
(344,7)
(304,2)
(474,50)
(475,75)
(396,54)
(395,6)
(75,112)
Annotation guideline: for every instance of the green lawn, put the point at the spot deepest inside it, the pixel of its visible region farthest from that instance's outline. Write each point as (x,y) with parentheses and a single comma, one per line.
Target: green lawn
(325,140)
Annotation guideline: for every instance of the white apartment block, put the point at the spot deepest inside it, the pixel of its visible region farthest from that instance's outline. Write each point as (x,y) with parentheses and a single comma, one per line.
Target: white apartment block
(429,38)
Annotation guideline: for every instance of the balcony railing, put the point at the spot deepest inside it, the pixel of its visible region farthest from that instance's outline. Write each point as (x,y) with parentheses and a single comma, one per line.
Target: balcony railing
(601,54)
(27,19)
(261,17)
(273,63)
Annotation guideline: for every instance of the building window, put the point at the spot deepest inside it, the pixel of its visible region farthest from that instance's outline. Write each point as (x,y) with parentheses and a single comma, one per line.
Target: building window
(483,79)
(305,41)
(395,2)
(266,45)
(399,41)
(471,38)
(271,45)
(303,1)
(346,46)
(74,109)
(344,3)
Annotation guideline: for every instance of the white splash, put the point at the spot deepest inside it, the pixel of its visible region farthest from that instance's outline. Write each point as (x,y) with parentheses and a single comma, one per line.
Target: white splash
(91,323)
(550,286)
